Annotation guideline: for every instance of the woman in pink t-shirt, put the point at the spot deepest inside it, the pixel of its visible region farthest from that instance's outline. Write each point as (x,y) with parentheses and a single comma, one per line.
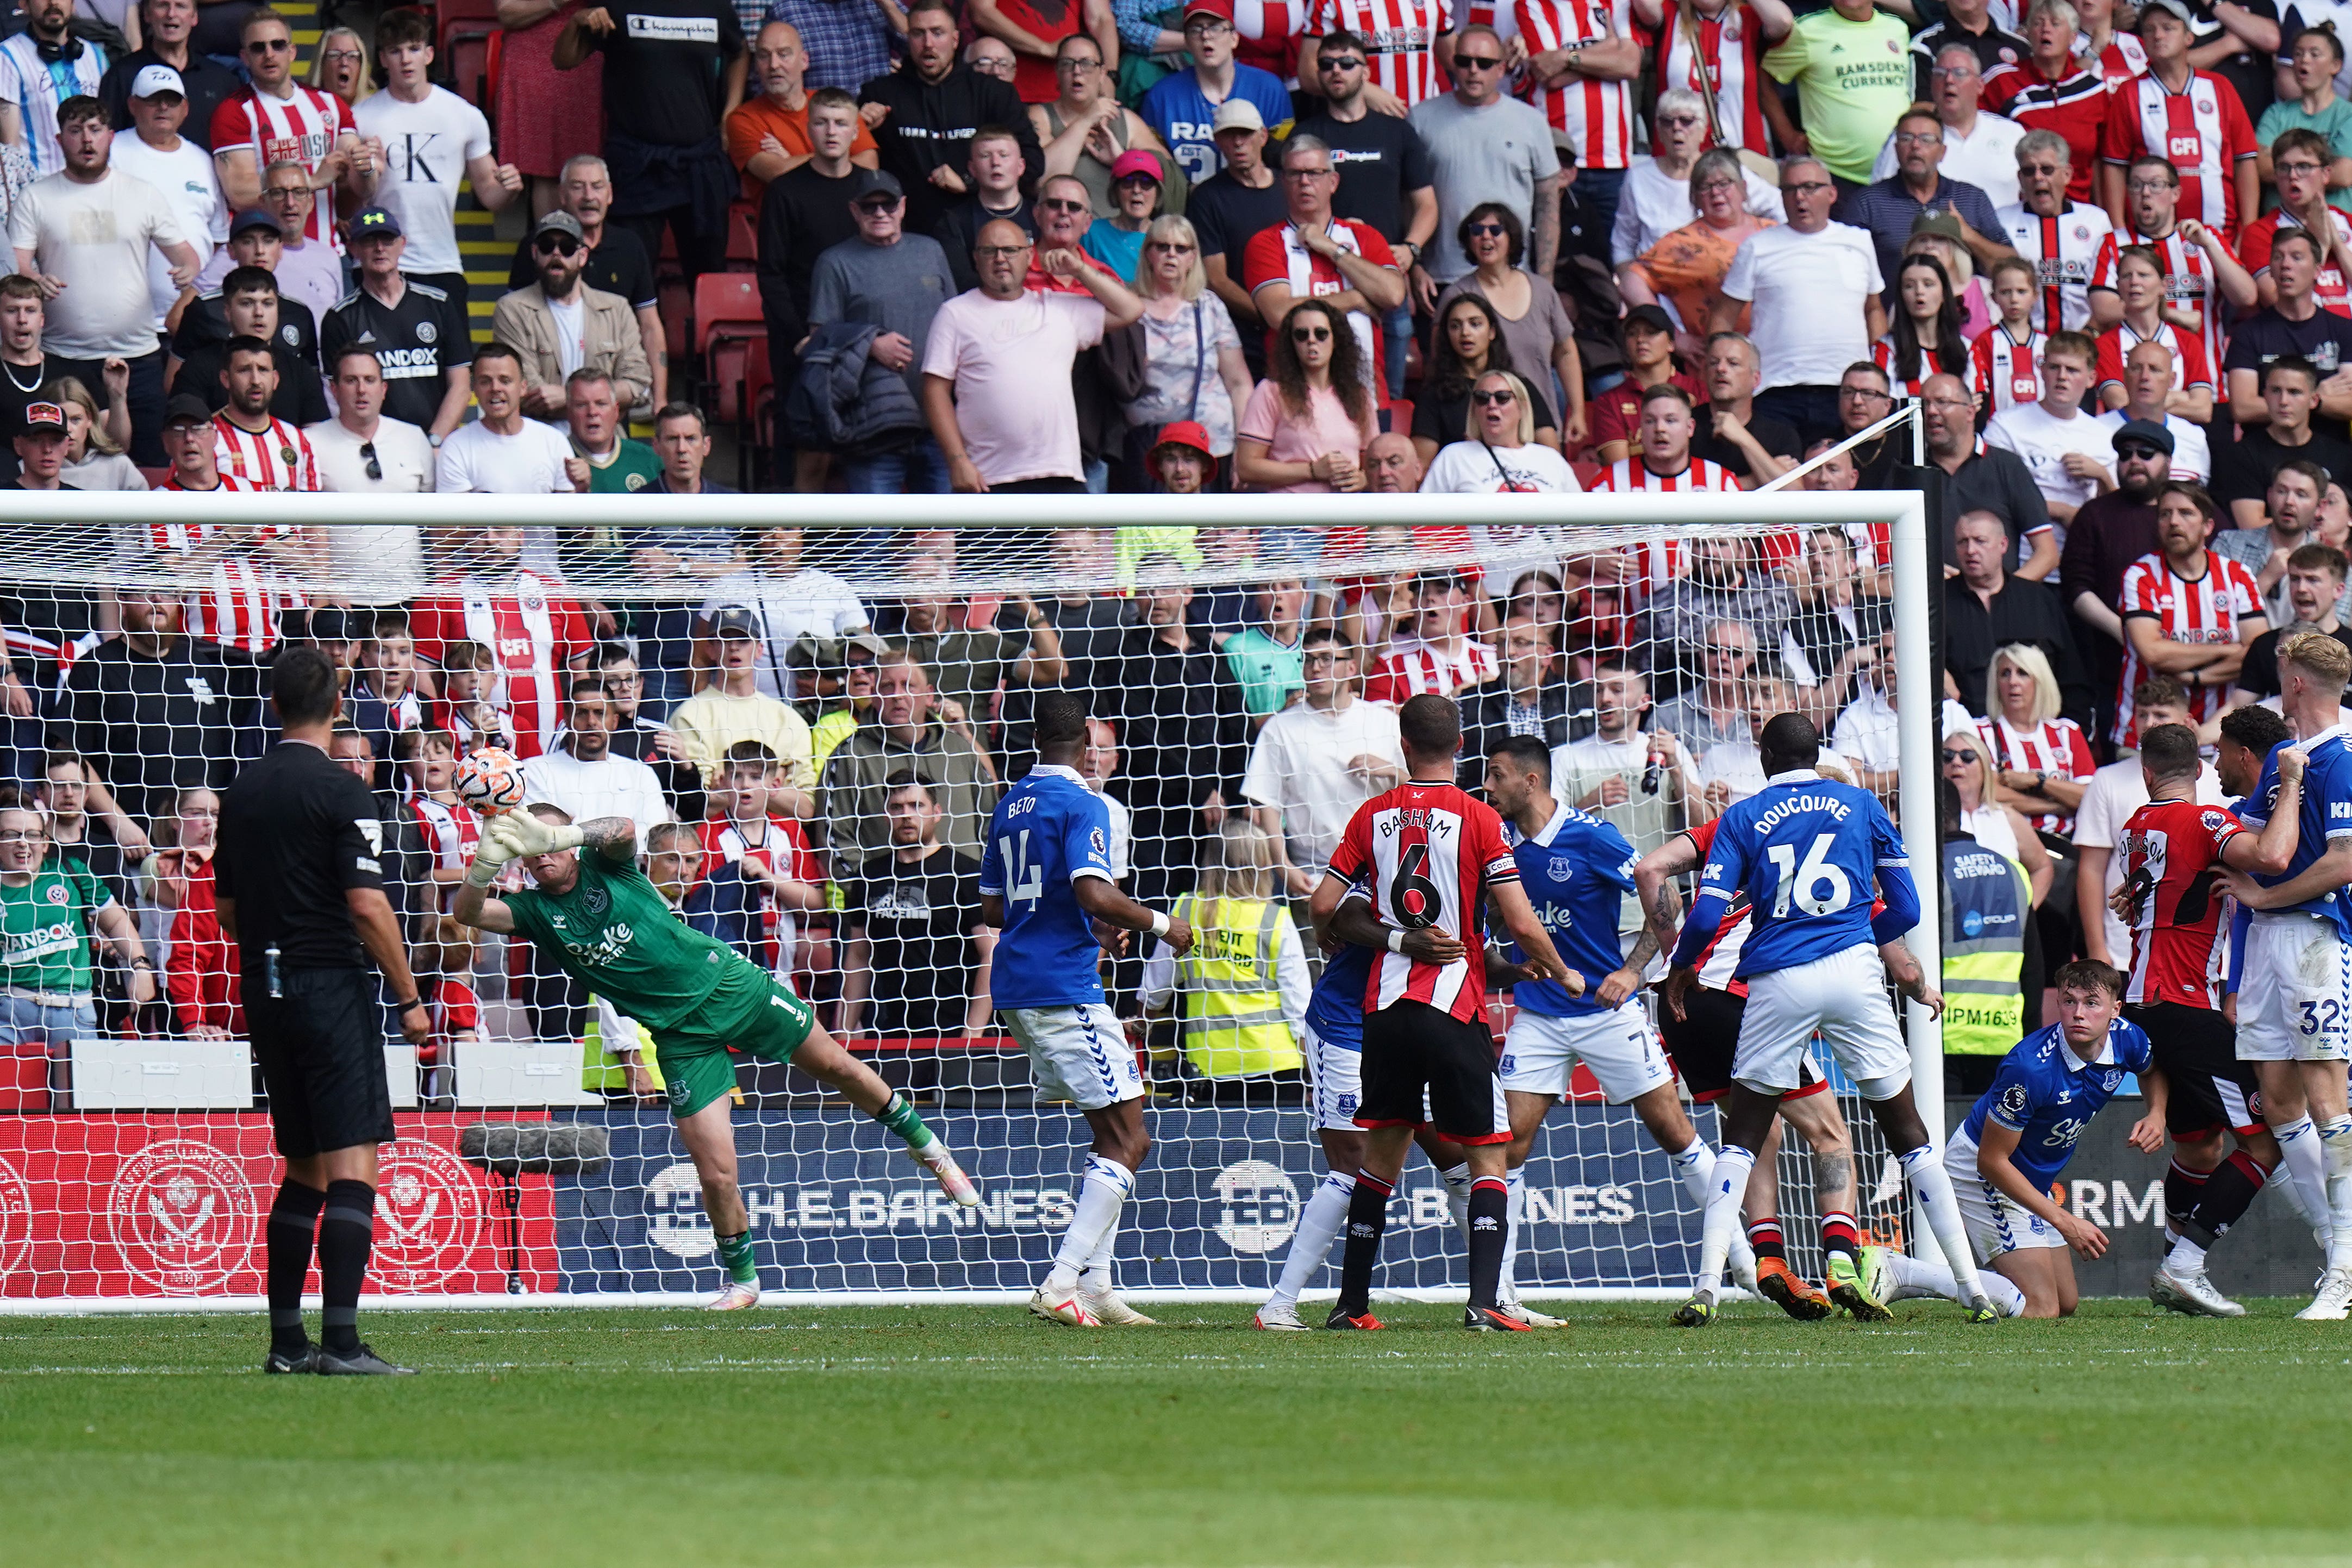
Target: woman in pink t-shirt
(1307,425)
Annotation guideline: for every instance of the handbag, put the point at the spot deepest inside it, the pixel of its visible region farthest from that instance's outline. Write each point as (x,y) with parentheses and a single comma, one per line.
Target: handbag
(1710,83)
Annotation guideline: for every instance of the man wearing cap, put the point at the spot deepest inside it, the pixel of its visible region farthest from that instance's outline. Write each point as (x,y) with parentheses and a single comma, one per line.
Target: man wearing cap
(1648,337)
(768,135)
(165,27)
(1182,106)
(1484,147)
(732,708)
(1182,460)
(2191,119)
(250,308)
(1891,207)
(254,241)
(617,262)
(560,325)
(2147,381)
(420,335)
(791,600)
(1227,211)
(925,114)
(432,138)
(674,69)
(1312,255)
(994,172)
(895,282)
(188,441)
(41,69)
(83,234)
(41,448)
(183,171)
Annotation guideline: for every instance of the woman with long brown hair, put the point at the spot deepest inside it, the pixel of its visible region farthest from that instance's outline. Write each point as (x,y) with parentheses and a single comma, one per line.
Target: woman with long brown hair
(1307,423)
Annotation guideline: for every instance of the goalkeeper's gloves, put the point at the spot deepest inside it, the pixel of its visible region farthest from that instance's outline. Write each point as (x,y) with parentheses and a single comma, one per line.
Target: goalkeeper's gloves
(529,836)
(490,855)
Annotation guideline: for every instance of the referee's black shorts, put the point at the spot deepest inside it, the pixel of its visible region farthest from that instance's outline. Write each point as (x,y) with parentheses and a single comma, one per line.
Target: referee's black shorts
(2196,1047)
(1422,1066)
(1702,1043)
(321,1047)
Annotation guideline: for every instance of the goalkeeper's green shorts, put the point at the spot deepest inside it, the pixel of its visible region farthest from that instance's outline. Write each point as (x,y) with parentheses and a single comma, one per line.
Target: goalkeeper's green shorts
(749,1010)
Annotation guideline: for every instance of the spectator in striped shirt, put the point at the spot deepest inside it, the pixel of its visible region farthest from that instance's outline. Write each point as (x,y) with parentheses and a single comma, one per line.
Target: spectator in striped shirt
(2187,613)
(1436,654)
(254,443)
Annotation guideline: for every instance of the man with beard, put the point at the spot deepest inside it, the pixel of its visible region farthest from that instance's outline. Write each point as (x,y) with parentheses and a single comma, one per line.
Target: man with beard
(2109,533)
(588,776)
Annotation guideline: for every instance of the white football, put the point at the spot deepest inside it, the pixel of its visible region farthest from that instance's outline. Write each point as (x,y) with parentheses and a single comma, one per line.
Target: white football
(491,781)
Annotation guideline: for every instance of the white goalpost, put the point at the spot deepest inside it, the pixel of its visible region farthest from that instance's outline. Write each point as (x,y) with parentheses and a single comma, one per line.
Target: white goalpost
(135,1166)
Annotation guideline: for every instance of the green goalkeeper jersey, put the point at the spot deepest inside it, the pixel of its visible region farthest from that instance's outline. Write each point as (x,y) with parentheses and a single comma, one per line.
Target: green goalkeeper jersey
(616,935)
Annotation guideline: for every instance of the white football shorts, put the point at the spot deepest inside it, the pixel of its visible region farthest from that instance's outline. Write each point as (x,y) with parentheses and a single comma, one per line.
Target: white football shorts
(1542,1051)
(1995,1222)
(1079,1053)
(1334,1080)
(2295,999)
(1843,997)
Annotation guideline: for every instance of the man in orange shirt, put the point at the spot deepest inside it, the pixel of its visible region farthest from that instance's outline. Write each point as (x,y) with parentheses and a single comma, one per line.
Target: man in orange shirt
(768,135)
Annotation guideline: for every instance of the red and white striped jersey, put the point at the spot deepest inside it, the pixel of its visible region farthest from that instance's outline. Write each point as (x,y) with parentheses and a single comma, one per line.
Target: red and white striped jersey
(1400,40)
(2057,746)
(2188,282)
(2064,251)
(1718,961)
(2009,371)
(1425,853)
(1268,33)
(1882,354)
(2261,237)
(2172,855)
(303,126)
(1698,475)
(2202,131)
(278,457)
(2189,368)
(1597,117)
(240,605)
(784,850)
(457,720)
(532,632)
(1413,667)
(2205,609)
(1723,54)
(450,830)
(2121,60)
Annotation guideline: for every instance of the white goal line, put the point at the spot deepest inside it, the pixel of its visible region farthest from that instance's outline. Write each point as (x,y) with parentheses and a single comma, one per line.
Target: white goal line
(120,1306)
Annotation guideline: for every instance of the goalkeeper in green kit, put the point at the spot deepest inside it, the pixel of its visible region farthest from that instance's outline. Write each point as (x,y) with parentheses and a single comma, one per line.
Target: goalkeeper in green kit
(603,922)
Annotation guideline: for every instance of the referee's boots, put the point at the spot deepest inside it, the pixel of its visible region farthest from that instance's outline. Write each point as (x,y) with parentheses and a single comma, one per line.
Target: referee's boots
(359,1362)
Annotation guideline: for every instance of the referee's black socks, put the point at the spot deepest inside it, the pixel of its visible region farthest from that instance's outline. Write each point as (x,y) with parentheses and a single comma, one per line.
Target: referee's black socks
(293,1216)
(346,1233)
(1368,1214)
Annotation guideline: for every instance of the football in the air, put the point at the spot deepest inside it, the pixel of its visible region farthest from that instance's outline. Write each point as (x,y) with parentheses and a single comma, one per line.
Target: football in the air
(491,781)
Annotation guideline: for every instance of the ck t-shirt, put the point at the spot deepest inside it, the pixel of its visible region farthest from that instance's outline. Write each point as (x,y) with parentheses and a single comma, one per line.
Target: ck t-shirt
(662,63)
(426,147)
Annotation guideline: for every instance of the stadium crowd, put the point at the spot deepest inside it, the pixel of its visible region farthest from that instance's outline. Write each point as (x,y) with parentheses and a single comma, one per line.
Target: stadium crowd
(1354,245)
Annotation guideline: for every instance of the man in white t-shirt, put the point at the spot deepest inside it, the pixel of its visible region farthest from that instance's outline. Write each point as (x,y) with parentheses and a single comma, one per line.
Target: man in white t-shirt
(1815,287)
(359,449)
(996,371)
(83,235)
(787,598)
(432,138)
(157,153)
(502,451)
(1317,760)
(2070,454)
(1607,773)
(585,776)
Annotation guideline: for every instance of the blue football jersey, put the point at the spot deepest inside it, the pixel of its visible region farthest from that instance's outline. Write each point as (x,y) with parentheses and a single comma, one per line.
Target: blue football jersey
(2327,813)
(1807,851)
(1336,1010)
(1577,871)
(1182,115)
(1047,832)
(2047,1098)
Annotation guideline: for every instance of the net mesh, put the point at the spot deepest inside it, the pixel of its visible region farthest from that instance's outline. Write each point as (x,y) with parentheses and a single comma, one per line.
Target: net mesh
(135,1154)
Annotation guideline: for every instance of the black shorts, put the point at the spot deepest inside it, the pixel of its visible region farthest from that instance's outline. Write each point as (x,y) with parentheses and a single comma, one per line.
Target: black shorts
(2196,1047)
(1702,1045)
(321,1047)
(1411,1047)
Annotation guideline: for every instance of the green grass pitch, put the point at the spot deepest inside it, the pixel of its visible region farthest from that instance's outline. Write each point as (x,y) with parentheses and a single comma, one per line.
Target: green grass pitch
(960,1435)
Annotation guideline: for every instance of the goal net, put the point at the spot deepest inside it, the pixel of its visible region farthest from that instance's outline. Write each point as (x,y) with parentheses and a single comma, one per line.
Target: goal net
(770,674)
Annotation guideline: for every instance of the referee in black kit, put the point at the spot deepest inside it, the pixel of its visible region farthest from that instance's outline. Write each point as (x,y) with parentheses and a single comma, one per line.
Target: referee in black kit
(301,892)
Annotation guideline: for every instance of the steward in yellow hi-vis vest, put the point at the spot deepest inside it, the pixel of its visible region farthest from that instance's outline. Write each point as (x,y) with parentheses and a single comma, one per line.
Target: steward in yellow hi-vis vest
(605,1068)
(1243,985)
(1987,900)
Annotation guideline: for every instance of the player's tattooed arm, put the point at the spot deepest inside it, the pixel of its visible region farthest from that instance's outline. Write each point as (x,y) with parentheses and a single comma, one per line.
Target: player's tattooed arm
(1622,983)
(615,837)
(1906,975)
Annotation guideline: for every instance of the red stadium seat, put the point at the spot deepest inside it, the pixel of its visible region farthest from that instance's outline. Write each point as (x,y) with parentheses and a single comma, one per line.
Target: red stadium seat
(675,306)
(466,29)
(742,232)
(726,304)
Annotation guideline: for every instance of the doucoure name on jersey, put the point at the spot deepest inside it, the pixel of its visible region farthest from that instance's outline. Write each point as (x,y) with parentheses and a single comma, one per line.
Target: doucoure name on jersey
(1797,806)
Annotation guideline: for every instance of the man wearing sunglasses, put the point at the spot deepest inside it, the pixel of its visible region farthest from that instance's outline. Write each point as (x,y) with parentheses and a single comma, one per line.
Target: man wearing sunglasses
(419,334)
(560,325)
(359,449)
(1313,255)
(1483,147)
(275,119)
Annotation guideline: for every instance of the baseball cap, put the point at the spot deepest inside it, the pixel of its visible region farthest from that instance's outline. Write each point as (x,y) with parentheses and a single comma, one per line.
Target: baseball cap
(2177,7)
(1220,8)
(1137,160)
(1945,222)
(734,620)
(560,222)
(877,183)
(256,218)
(2144,430)
(44,419)
(1651,316)
(157,78)
(812,652)
(1236,114)
(186,407)
(374,222)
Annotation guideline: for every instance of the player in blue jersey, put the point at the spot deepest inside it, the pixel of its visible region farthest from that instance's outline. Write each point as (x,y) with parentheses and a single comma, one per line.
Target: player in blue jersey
(2016,1140)
(1807,853)
(1578,871)
(2295,1002)
(1045,882)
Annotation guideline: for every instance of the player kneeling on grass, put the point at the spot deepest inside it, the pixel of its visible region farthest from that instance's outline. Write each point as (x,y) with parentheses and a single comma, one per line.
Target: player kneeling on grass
(2016,1140)
(594,915)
